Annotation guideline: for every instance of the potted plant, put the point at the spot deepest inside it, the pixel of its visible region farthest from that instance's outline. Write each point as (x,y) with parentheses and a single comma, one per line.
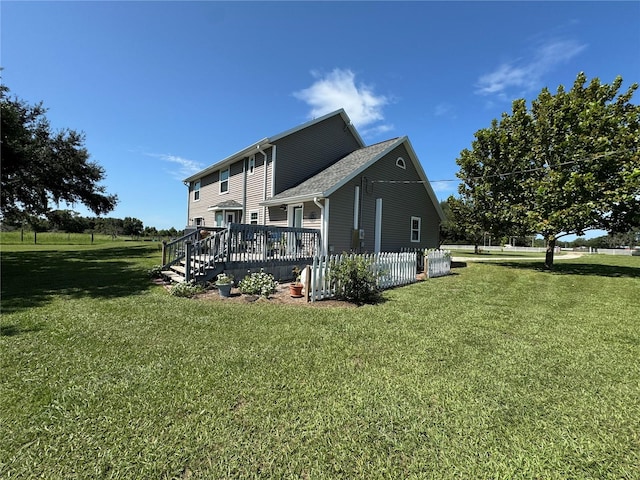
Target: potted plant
(224,283)
(295,288)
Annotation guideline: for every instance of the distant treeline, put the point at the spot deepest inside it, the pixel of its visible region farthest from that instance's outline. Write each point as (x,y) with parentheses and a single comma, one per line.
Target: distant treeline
(69,221)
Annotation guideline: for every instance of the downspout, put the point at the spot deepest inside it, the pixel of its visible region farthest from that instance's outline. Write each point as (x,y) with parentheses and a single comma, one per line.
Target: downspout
(324,228)
(188,185)
(264,189)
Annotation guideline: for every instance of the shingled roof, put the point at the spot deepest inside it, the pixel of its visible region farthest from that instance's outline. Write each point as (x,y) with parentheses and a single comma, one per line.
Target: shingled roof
(331,178)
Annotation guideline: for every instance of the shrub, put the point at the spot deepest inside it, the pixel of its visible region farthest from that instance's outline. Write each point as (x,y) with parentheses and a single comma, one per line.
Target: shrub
(355,280)
(155,271)
(186,289)
(224,279)
(258,283)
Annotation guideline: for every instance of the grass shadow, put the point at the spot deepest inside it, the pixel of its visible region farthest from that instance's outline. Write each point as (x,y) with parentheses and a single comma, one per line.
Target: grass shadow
(576,268)
(14,330)
(31,278)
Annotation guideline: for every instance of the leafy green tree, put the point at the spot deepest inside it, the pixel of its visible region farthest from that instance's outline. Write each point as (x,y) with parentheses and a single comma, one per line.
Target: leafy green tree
(40,165)
(68,221)
(132,226)
(569,164)
(464,222)
(109,226)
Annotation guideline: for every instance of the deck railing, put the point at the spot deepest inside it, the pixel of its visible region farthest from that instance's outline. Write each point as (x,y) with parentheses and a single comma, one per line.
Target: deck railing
(200,250)
(175,251)
(249,243)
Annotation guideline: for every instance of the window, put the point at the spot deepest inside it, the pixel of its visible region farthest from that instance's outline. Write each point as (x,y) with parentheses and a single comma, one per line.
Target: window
(224,181)
(199,221)
(196,191)
(400,163)
(253,218)
(415,228)
(252,165)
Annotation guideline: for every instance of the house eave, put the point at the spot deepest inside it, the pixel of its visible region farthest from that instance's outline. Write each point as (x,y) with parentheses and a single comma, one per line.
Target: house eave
(269,142)
(272,202)
(245,152)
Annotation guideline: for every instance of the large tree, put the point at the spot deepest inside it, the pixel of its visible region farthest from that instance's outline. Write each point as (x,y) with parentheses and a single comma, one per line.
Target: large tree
(465,221)
(569,164)
(41,166)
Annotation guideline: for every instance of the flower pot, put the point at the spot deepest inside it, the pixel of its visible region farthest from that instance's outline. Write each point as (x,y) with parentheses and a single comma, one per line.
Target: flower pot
(295,289)
(224,289)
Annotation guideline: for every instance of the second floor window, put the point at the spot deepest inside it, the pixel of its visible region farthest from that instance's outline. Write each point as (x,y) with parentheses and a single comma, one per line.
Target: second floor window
(252,165)
(196,191)
(224,181)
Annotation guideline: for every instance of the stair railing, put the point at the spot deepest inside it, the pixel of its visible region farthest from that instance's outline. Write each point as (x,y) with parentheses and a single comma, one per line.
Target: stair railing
(174,251)
(205,253)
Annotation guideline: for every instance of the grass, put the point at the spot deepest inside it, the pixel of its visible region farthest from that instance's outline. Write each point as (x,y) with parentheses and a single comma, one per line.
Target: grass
(17,237)
(497,371)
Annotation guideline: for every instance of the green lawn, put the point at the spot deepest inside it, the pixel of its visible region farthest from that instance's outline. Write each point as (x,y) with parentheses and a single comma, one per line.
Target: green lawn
(501,370)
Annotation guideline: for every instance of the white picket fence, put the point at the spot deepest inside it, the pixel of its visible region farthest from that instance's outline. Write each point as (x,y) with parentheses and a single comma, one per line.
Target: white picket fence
(438,263)
(393,269)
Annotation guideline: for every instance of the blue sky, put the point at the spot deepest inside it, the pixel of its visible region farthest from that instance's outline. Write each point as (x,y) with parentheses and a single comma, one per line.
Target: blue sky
(163,89)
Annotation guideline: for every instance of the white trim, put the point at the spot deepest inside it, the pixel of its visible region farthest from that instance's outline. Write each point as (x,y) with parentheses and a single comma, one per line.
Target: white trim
(356,207)
(291,208)
(196,190)
(325,228)
(228,170)
(268,141)
(378,226)
(419,230)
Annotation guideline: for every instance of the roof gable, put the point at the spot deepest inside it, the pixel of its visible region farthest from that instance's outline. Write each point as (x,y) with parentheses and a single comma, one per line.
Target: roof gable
(269,141)
(344,170)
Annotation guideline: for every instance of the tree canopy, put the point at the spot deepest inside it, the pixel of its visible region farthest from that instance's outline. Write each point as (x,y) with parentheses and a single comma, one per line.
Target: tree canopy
(569,164)
(40,166)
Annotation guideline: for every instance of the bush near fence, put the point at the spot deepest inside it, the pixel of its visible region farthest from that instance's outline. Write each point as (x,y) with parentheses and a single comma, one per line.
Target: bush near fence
(391,269)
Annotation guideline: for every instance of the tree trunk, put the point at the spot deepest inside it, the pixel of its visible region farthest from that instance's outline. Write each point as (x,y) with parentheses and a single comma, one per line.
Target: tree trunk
(551,247)
(475,249)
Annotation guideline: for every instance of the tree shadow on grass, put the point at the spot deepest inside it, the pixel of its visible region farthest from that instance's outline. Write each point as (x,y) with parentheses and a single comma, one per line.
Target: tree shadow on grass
(31,278)
(13,330)
(565,268)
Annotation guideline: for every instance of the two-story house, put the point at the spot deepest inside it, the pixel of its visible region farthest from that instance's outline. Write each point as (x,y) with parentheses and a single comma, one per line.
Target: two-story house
(321,175)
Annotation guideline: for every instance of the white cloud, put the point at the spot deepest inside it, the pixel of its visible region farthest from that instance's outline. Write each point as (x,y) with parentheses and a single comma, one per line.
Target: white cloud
(338,89)
(185,168)
(525,76)
(441,186)
(445,110)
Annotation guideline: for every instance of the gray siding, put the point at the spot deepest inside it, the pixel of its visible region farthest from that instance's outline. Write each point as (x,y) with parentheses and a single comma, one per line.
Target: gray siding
(210,193)
(256,186)
(400,202)
(341,218)
(309,151)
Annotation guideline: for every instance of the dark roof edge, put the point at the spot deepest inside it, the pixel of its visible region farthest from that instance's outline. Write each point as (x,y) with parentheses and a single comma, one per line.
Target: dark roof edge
(268,141)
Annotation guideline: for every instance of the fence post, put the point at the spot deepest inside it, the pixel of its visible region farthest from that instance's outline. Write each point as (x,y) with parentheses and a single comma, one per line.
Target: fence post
(426,264)
(307,282)
(187,263)
(164,252)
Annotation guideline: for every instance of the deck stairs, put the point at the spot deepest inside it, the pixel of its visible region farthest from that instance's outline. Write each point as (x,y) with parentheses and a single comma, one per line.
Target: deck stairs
(205,252)
(197,256)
